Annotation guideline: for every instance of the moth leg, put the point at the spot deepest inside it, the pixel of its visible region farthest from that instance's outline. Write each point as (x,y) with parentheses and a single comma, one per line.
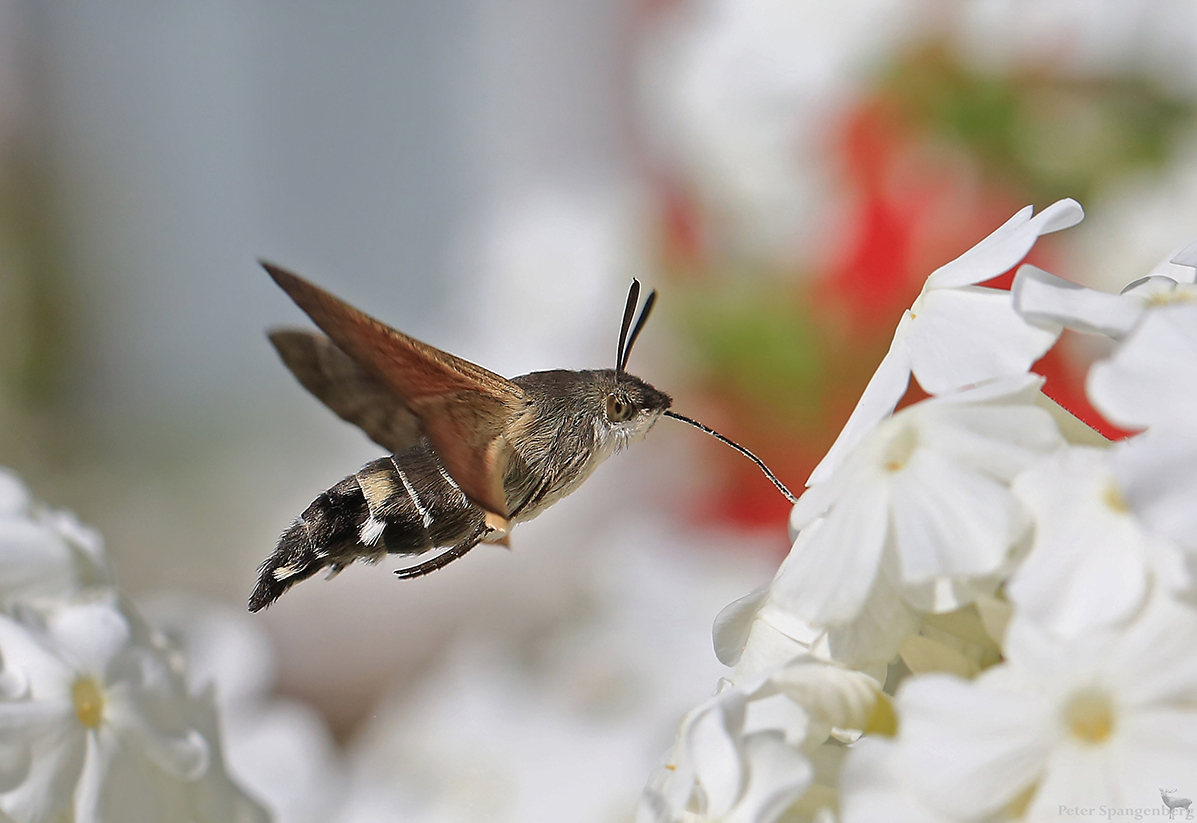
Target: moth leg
(532,499)
(444,558)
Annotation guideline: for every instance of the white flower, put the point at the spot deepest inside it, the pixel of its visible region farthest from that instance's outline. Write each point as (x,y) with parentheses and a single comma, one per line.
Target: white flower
(756,636)
(757,633)
(723,770)
(1091,562)
(963,642)
(1100,719)
(43,553)
(1155,472)
(1151,378)
(746,754)
(281,750)
(925,495)
(101,728)
(871,788)
(1051,302)
(871,639)
(956,333)
(830,694)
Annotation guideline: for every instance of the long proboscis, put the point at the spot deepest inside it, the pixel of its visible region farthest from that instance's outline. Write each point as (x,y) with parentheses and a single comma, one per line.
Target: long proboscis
(781,487)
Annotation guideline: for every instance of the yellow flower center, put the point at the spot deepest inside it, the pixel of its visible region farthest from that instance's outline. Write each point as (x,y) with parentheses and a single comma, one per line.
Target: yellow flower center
(1112,497)
(883,721)
(900,448)
(1090,716)
(1171,297)
(89,701)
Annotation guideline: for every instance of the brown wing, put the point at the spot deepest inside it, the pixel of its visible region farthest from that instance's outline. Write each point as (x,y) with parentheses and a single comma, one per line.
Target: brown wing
(467,411)
(347,389)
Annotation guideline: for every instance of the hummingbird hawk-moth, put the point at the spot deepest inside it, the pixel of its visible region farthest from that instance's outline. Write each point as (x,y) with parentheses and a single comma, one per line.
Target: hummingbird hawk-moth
(471,453)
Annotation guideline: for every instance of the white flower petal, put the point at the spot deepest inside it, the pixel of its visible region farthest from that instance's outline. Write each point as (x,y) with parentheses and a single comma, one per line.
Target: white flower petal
(965,749)
(998,441)
(970,335)
(873,637)
(1079,777)
(778,713)
(89,634)
(1154,661)
(777,775)
(215,797)
(1155,473)
(1156,748)
(14,497)
(948,521)
(1088,564)
(942,595)
(733,625)
(45,676)
(47,790)
(1036,657)
(185,755)
(1156,290)
(711,736)
(1180,265)
(16,757)
(33,560)
(871,789)
(886,387)
(101,748)
(834,561)
(1001,250)
(1151,379)
(27,718)
(776,637)
(1150,751)
(812,504)
(1049,301)
(829,693)
(1019,389)
(133,789)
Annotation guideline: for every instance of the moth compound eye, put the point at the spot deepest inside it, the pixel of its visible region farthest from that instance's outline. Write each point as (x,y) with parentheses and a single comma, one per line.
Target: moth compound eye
(619,410)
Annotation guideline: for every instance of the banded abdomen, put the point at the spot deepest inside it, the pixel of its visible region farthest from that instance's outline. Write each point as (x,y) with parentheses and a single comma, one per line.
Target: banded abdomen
(403,504)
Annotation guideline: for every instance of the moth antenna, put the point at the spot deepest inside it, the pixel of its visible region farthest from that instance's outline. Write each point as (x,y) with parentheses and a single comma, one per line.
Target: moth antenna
(629,309)
(760,463)
(640,321)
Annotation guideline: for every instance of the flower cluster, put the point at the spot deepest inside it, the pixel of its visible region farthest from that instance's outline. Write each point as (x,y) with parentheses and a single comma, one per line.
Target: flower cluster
(96,721)
(988,610)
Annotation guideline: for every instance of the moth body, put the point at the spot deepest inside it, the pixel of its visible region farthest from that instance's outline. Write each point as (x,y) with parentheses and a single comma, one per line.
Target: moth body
(409,503)
(403,504)
(576,420)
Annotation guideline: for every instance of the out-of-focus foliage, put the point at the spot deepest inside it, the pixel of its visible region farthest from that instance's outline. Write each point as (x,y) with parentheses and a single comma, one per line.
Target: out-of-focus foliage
(1045,134)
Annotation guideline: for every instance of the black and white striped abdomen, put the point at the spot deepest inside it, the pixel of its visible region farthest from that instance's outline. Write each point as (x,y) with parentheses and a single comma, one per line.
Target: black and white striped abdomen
(401,504)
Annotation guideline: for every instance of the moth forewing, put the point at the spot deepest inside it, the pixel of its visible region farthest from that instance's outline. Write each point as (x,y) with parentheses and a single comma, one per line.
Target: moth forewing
(463,407)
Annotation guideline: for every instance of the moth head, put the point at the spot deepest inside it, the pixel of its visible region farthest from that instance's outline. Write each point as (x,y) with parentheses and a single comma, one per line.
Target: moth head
(631,406)
(635,405)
